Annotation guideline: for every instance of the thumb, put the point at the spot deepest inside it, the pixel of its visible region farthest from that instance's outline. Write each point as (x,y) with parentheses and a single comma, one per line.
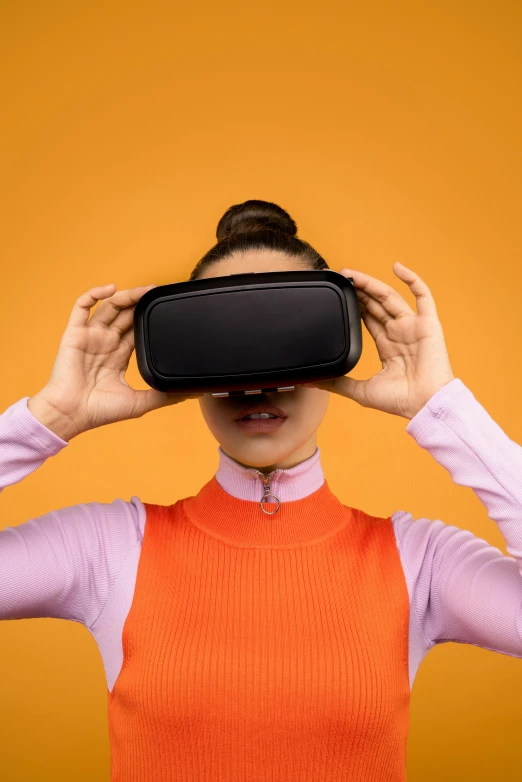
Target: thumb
(146,401)
(351,389)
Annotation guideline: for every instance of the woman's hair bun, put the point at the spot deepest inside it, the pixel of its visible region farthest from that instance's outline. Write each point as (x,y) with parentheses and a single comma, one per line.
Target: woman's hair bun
(252,216)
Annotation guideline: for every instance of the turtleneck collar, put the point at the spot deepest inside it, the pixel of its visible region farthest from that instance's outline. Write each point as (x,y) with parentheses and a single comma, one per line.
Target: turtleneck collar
(228,506)
(290,484)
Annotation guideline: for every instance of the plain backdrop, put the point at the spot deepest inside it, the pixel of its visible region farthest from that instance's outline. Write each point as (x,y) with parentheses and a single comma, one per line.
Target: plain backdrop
(389,131)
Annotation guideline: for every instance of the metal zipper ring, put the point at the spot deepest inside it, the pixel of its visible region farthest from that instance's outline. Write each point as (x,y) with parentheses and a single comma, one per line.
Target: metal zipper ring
(270,513)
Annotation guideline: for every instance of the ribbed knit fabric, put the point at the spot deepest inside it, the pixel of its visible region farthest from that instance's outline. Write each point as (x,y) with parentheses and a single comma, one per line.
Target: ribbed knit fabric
(263,647)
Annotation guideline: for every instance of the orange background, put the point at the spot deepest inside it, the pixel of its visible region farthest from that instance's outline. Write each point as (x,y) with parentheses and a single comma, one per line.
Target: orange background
(389,131)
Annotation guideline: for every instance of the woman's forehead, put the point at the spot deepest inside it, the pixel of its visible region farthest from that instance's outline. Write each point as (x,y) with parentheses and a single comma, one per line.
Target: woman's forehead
(252,261)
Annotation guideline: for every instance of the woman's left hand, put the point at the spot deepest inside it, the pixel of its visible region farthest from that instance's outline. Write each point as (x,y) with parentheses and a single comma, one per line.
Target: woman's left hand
(410,345)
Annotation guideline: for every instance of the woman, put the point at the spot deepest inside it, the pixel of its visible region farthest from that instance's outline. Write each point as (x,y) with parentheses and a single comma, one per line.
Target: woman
(245,640)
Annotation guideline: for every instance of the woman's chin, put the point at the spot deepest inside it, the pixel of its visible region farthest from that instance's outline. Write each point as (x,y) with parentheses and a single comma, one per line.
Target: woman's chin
(255,453)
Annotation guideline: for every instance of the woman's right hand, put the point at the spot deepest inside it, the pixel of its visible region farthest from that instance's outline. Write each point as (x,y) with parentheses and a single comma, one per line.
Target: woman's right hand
(87,388)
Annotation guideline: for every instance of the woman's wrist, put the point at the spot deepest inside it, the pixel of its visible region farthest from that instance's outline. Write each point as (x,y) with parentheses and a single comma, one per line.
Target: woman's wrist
(48,415)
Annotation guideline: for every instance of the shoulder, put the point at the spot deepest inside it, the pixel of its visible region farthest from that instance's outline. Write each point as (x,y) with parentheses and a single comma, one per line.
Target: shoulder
(430,549)
(422,541)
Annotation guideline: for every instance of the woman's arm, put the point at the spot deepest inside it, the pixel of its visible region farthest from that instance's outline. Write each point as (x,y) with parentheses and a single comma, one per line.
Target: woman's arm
(464,589)
(62,564)
(25,443)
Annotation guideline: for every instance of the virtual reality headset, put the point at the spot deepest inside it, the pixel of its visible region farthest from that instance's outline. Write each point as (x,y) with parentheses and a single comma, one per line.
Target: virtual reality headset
(248,333)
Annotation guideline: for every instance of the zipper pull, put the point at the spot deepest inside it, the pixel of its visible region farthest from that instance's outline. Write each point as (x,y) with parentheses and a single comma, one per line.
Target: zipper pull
(266,482)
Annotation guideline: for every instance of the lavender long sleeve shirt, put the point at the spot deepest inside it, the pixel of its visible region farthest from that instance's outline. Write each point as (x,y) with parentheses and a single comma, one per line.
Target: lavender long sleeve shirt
(80,562)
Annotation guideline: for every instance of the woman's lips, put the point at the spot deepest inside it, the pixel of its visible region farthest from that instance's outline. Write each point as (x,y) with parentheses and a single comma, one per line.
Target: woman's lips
(260,424)
(264,406)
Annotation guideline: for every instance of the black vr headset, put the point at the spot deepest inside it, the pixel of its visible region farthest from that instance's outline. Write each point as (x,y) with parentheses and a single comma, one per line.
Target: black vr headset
(248,333)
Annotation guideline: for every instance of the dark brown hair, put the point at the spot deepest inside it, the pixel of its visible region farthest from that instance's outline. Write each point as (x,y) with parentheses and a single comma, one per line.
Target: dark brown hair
(258,225)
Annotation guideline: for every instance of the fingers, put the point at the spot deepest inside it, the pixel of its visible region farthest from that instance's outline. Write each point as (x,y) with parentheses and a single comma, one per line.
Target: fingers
(107,312)
(127,339)
(369,290)
(121,302)
(83,304)
(374,324)
(424,299)
(123,320)
(373,292)
(371,308)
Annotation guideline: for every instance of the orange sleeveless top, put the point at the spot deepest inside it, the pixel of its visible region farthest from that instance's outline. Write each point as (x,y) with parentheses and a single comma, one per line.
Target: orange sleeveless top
(263,647)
